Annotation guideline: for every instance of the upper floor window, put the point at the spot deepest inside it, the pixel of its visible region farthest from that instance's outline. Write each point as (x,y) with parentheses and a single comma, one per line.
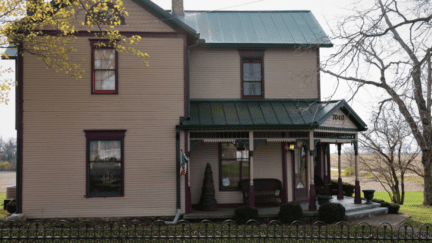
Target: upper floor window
(104,68)
(252,74)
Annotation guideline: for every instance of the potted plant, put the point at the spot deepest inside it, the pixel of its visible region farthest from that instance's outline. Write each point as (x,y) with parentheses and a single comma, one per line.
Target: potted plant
(324,199)
(368,194)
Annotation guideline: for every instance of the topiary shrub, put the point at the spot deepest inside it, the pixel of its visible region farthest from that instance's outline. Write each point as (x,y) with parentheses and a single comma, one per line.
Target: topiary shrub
(245,213)
(290,212)
(393,208)
(331,213)
(11,206)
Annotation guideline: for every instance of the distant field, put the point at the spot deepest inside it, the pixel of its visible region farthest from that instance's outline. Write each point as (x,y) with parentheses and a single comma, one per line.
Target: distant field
(348,159)
(7,178)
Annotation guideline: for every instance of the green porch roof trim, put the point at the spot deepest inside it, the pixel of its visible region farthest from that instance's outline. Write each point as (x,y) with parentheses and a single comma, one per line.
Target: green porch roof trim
(12,52)
(265,114)
(257,28)
(167,16)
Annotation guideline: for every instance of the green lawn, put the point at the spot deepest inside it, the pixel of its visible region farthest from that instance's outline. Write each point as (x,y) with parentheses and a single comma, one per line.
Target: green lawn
(413,206)
(3,213)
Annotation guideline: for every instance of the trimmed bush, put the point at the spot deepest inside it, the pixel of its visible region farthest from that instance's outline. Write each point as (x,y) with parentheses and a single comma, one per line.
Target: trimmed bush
(347,188)
(334,191)
(331,213)
(245,213)
(393,208)
(11,206)
(290,212)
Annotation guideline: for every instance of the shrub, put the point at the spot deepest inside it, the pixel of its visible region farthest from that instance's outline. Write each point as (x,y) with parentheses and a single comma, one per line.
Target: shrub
(349,171)
(334,191)
(11,206)
(393,208)
(245,213)
(290,212)
(347,188)
(331,213)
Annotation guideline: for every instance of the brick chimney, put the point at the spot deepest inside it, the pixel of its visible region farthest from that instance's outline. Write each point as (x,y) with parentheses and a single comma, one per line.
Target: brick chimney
(177,7)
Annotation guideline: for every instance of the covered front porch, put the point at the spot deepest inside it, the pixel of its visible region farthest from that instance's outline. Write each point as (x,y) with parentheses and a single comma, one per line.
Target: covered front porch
(283,140)
(353,211)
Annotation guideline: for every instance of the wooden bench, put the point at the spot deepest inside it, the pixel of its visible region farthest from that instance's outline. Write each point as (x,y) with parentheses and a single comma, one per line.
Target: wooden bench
(267,190)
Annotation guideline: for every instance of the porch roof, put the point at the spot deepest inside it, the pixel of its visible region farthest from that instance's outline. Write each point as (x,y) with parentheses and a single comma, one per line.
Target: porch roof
(266,114)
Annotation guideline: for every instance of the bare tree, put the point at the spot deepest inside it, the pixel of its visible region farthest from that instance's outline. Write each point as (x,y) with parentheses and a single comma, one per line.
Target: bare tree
(349,153)
(391,153)
(388,47)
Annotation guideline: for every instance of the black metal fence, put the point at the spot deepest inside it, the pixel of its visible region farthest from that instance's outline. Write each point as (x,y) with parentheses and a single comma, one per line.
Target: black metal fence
(207,231)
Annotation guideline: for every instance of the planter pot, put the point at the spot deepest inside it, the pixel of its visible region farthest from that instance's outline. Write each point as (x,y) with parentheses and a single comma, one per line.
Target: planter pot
(323,199)
(368,194)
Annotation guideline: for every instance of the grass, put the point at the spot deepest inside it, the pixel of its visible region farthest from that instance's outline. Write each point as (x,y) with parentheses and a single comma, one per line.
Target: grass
(413,205)
(3,213)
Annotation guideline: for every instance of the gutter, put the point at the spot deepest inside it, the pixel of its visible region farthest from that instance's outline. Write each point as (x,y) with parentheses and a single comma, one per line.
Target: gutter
(177,161)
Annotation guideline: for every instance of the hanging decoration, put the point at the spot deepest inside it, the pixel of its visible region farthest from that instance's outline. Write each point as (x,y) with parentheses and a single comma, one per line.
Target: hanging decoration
(183,165)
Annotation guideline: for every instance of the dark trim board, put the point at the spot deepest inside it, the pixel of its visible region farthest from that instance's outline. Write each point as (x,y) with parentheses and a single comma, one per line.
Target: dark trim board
(20,128)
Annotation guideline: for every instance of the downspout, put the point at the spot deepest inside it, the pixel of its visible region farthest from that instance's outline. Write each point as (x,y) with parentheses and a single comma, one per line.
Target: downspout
(18,117)
(177,179)
(178,140)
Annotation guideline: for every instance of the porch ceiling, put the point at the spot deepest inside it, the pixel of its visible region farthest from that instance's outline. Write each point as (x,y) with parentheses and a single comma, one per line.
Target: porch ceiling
(265,114)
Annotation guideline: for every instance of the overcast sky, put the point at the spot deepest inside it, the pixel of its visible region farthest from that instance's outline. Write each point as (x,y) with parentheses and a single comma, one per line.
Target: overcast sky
(327,12)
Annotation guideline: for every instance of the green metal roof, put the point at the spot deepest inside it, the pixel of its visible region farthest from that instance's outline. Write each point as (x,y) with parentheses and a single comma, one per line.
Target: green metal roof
(270,114)
(257,28)
(11,51)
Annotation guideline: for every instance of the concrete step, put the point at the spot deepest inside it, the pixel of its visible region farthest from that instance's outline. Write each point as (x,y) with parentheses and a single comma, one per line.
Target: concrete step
(369,213)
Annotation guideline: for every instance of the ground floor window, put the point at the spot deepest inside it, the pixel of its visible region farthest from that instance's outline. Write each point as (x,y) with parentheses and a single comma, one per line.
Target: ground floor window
(105,163)
(234,166)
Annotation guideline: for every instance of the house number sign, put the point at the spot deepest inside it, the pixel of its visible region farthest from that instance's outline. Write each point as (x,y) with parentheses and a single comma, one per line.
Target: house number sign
(338,117)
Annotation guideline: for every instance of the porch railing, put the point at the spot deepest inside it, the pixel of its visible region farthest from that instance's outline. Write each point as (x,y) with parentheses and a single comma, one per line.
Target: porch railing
(207,231)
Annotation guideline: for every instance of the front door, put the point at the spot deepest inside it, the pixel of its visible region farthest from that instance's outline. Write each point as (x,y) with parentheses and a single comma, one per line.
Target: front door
(300,174)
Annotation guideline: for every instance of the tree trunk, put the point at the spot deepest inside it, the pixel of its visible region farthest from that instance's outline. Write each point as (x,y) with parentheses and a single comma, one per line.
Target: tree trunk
(426,160)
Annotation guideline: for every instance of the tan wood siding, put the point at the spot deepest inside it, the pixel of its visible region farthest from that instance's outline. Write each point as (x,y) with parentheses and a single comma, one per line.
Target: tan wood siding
(139,19)
(346,123)
(288,73)
(58,108)
(214,73)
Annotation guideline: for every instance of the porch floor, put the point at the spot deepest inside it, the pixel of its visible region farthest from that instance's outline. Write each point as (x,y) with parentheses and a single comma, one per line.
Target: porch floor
(353,211)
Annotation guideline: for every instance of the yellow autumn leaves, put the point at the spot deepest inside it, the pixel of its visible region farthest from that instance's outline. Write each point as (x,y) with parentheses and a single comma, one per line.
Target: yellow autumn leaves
(48,30)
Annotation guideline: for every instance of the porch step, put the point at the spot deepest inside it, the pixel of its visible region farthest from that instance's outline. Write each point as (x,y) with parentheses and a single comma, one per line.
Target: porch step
(370,212)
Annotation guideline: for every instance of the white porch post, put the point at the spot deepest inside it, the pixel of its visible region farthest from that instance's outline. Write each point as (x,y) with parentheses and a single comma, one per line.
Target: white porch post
(357,199)
(312,194)
(340,193)
(251,185)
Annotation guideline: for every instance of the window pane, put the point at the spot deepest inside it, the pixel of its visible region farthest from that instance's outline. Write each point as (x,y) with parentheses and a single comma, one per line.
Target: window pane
(252,88)
(105,178)
(252,71)
(234,166)
(229,151)
(104,80)
(105,150)
(104,59)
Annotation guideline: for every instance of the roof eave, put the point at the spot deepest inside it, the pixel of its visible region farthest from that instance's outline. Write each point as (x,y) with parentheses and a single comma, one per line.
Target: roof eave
(246,127)
(262,45)
(167,17)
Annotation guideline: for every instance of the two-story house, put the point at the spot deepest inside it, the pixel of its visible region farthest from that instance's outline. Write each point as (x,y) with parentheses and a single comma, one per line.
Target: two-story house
(240,90)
